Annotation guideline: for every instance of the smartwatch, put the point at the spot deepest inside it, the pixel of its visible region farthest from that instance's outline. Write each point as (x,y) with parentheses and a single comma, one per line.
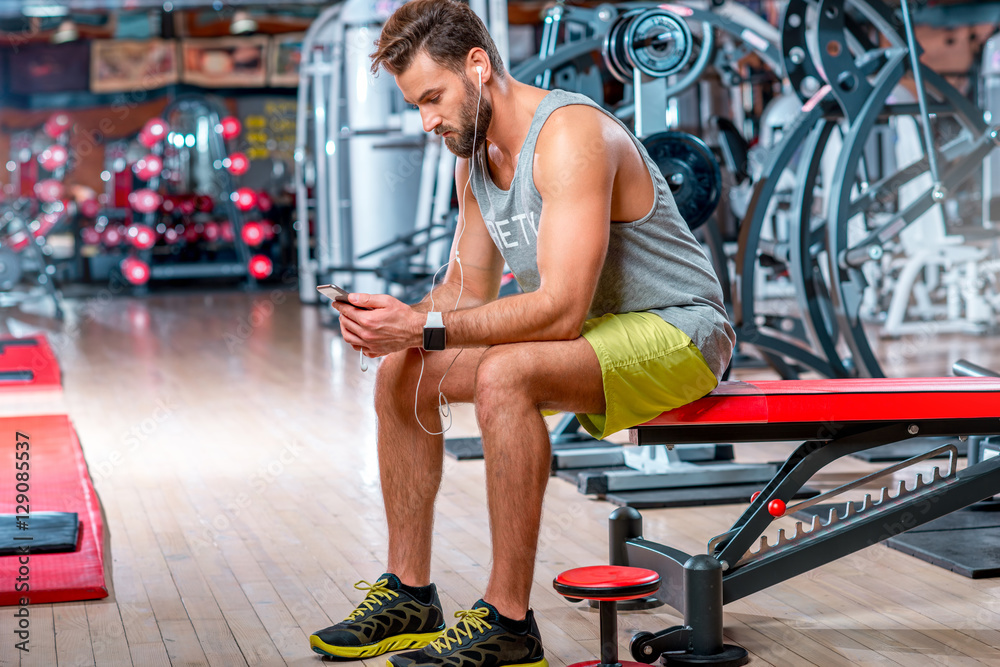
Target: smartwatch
(434,336)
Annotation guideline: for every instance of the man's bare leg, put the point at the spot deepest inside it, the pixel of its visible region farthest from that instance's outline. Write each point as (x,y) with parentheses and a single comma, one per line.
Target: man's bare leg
(410,460)
(513,383)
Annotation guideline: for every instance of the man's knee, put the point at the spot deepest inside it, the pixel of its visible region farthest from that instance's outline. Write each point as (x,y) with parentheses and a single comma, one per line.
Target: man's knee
(396,377)
(502,377)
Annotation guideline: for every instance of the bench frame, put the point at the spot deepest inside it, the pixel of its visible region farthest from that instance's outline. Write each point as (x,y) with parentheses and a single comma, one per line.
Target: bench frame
(699,585)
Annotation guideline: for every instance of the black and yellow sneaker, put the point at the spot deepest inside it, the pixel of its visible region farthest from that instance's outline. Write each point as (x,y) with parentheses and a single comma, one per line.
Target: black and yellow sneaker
(481,638)
(390,618)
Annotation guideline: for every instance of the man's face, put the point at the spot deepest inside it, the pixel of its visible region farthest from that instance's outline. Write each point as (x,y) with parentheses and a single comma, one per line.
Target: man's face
(447,103)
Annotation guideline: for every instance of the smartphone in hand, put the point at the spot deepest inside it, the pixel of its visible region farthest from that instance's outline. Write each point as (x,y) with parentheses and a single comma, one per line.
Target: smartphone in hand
(336,293)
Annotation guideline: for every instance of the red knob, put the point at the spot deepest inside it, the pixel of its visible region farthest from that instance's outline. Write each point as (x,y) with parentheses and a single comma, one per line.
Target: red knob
(754,496)
(776,507)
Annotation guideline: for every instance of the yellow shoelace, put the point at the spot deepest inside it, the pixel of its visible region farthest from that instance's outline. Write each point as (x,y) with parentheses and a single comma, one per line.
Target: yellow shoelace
(471,619)
(376,592)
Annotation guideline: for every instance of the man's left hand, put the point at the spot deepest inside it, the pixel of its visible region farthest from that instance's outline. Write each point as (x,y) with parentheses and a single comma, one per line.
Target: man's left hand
(378,324)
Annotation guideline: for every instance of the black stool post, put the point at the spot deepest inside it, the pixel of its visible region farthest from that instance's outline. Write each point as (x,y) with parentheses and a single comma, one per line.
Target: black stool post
(609,633)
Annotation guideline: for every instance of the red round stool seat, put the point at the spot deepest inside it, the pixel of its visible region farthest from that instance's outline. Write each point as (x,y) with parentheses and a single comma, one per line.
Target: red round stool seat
(608,584)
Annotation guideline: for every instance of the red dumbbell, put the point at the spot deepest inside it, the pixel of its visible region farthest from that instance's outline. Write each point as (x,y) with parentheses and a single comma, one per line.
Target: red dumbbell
(204,203)
(145,200)
(90,236)
(264,201)
(226,230)
(253,233)
(50,190)
(237,164)
(245,199)
(56,125)
(212,232)
(89,208)
(135,270)
(148,167)
(192,233)
(270,229)
(153,132)
(230,127)
(186,205)
(112,236)
(171,236)
(142,236)
(53,157)
(260,266)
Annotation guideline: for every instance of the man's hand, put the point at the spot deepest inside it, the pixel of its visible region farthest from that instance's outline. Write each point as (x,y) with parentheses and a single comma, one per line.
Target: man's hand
(388,325)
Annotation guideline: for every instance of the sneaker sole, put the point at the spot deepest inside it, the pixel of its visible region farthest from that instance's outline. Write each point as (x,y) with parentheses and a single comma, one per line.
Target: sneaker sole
(394,643)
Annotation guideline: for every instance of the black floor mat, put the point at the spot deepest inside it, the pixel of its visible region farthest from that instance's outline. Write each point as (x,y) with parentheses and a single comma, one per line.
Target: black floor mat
(50,533)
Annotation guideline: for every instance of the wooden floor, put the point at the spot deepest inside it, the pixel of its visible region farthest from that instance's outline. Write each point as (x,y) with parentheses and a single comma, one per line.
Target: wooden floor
(231,440)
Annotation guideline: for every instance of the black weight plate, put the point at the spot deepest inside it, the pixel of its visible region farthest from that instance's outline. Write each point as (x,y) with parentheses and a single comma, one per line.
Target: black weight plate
(614,48)
(692,172)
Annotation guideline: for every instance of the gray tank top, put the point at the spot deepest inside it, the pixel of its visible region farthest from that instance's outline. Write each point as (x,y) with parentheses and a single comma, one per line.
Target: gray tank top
(653,264)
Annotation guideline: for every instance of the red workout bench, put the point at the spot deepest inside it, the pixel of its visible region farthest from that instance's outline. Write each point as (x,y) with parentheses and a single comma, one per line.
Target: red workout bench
(833,418)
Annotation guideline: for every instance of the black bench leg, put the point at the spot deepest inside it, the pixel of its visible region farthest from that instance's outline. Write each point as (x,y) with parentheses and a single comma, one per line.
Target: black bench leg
(703,614)
(699,641)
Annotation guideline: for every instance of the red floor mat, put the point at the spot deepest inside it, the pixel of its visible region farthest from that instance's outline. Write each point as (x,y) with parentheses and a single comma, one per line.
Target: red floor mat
(58,481)
(28,364)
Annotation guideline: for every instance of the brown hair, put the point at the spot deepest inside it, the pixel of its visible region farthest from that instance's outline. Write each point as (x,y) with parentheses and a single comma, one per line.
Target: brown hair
(446,29)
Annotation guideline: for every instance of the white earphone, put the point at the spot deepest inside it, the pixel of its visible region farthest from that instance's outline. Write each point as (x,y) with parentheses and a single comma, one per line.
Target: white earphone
(443,406)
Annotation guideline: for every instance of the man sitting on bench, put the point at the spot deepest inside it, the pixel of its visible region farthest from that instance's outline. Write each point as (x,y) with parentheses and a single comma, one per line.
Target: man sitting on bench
(621,318)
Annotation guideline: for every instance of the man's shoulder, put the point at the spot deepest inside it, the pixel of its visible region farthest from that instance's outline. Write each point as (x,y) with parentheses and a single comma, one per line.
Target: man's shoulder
(575,121)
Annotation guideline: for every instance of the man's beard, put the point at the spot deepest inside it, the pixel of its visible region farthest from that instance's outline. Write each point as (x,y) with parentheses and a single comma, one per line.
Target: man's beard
(470,130)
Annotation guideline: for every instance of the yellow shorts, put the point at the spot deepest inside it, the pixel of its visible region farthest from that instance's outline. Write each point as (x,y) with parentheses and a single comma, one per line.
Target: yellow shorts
(648,366)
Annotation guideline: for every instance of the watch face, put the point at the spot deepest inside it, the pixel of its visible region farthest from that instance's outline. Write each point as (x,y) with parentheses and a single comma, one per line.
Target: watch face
(434,339)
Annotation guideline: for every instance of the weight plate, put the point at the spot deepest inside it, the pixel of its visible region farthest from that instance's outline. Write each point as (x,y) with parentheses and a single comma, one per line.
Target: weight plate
(691,171)
(614,48)
(658,43)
